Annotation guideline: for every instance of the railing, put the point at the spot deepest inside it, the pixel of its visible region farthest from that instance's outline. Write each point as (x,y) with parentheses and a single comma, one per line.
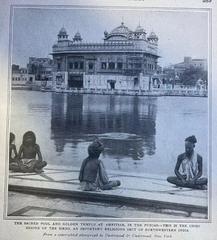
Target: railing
(128,46)
(153,92)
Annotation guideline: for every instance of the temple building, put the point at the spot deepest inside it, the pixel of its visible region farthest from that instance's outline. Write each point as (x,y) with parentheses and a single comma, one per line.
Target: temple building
(126,60)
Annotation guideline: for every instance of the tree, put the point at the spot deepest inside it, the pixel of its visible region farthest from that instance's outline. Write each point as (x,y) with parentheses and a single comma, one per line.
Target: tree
(191,75)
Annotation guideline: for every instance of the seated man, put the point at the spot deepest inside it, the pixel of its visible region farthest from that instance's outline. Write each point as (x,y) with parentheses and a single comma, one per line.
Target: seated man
(191,167)
(29,156)
(92,173)
(13,165)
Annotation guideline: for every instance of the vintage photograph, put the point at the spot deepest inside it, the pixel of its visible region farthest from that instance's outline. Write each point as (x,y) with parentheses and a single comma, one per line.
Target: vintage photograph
(109,113)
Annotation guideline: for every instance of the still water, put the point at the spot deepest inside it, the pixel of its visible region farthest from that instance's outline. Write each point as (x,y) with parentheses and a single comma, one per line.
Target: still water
(140,134)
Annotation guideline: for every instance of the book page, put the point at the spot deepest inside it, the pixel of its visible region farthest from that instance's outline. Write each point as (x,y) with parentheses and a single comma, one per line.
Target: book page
(108,119)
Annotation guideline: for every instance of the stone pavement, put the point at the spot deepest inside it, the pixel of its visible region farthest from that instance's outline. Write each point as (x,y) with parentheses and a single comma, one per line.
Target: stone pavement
(147,192)
(30,205)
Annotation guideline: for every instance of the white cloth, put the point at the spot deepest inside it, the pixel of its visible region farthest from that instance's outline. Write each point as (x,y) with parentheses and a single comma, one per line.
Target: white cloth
(190,166)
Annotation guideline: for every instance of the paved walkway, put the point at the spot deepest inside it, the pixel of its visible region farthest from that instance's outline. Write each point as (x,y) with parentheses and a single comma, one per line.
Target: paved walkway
(31,205)
(136,190)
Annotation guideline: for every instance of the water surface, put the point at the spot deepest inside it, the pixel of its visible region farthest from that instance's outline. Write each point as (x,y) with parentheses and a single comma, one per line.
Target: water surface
(140,134)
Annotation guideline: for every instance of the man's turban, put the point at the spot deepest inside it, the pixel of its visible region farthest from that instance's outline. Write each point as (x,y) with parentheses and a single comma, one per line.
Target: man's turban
(191,139)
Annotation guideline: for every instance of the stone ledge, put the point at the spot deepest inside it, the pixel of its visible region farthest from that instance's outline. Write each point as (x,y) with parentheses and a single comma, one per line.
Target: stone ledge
(142,190)
(95,196)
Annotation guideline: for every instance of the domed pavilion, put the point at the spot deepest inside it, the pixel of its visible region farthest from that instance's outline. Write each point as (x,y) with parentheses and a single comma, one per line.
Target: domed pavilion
(124,61)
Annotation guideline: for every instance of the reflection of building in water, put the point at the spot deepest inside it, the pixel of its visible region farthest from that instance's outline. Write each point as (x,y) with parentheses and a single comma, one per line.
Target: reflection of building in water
(124,61)
(66,119)
(125,124)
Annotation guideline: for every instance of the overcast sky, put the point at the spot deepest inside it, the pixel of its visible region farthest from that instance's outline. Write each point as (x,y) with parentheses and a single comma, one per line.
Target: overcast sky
(181,33)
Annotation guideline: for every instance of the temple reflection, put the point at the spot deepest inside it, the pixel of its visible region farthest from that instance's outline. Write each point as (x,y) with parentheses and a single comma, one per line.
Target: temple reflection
(125,124)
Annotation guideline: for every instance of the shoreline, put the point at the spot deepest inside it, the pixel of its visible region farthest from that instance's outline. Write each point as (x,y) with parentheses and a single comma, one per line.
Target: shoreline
(144,93)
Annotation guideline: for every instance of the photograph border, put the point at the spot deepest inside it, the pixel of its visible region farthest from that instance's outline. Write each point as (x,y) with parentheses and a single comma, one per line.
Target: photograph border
(209,154)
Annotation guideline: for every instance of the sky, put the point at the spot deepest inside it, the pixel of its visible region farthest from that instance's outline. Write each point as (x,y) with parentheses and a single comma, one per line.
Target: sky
(181,33)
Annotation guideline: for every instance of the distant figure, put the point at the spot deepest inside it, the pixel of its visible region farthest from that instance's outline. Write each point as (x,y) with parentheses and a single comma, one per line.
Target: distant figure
(92,173)
(188,168)
(12,149)
(28,152)
(13,165)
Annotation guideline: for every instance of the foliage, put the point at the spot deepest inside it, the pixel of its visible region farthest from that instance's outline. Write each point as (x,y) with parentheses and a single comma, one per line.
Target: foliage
(191,75)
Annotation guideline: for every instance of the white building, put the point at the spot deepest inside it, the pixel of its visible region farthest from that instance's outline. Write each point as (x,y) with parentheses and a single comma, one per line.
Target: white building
(126,60)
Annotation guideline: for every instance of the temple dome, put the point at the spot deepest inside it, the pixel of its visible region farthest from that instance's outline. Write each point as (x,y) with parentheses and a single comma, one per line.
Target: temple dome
(62,35)
(62,31)
(77,37)
(122,29)
(119,33)
(140,29)
(153,36)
